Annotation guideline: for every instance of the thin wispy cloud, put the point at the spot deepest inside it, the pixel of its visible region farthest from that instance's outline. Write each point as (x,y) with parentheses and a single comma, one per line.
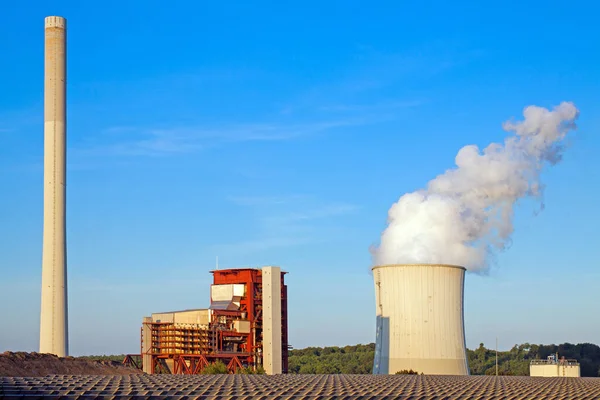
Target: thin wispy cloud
(296,217)
(374,70)
(127,141)
(263,201)
(319,109)
(344,102)
(123,287)
(116,130)
(286,221)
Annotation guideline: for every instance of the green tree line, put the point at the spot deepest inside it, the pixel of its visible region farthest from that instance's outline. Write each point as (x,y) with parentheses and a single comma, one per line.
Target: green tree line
(516,361)
(358,359)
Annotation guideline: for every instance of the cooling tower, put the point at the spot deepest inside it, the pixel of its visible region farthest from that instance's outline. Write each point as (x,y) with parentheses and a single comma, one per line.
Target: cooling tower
(420,323)
(53,315)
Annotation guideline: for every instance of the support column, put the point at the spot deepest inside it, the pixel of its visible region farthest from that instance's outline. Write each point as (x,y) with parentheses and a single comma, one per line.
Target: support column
(271,299)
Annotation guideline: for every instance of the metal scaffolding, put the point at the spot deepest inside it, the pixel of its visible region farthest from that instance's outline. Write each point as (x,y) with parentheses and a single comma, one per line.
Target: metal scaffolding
(233,333)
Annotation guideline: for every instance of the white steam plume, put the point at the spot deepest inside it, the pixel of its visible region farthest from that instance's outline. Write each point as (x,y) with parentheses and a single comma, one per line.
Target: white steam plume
(466,213)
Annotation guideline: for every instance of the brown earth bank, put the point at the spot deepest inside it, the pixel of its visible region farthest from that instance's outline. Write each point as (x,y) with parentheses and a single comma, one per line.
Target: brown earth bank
(36,364)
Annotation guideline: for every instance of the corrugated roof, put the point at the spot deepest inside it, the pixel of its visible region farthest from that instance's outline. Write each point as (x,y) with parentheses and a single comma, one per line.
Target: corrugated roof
(243,269)
(178,311)
(223,305)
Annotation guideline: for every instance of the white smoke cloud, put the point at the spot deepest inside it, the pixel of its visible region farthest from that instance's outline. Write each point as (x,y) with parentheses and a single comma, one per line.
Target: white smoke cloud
(466,213)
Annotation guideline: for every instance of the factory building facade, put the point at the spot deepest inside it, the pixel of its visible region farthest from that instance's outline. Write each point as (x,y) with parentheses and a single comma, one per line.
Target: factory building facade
(245,326)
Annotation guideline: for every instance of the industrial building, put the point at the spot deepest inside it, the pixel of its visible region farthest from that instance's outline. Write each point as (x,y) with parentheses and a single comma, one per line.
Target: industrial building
(245,326)
(420,319)
(555,367)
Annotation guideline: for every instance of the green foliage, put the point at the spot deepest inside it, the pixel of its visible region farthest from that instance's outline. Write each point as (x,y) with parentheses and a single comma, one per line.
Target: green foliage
(359,359)
(516,361)
(356,359)
(218,367)
(249,371)
(407,372)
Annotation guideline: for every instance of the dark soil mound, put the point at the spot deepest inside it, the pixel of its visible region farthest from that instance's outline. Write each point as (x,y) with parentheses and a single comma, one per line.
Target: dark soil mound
(35,364)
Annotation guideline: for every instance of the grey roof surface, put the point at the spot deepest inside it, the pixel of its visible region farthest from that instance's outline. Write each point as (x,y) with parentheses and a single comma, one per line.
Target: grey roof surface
(301,387)
(179,311)
(223,305)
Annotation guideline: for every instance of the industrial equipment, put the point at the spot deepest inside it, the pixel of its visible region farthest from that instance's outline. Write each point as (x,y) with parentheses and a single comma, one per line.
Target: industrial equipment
(552,366)
(245,327)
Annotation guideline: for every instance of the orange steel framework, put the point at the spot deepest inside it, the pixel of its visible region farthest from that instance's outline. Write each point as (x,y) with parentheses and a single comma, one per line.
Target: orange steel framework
(133,361)
(187,349)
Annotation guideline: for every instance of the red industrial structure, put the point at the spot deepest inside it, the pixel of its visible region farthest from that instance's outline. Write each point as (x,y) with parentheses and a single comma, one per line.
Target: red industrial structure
(231,329)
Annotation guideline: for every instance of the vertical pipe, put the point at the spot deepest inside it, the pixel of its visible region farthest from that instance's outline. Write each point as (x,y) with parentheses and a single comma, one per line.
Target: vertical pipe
(54,313)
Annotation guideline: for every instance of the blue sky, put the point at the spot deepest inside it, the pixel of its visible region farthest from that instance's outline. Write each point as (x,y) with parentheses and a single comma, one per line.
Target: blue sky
(266,133)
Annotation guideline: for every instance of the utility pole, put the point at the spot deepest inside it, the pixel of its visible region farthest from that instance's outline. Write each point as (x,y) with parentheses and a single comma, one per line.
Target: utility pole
(496,356)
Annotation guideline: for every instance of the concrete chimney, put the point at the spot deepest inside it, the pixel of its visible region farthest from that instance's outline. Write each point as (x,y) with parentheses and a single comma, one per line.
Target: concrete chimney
(54,313)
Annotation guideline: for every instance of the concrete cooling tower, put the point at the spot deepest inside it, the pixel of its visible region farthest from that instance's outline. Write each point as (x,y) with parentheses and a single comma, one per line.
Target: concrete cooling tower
(420,324)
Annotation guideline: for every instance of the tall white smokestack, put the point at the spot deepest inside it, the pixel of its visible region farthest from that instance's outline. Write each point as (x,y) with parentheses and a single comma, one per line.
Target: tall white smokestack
(420,323)
(54,314)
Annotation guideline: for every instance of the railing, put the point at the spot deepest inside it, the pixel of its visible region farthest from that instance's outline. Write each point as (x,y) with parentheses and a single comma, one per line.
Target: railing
(555,362)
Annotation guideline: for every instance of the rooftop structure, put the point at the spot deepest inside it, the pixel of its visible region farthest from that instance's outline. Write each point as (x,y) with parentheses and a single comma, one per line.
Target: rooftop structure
(555,367)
